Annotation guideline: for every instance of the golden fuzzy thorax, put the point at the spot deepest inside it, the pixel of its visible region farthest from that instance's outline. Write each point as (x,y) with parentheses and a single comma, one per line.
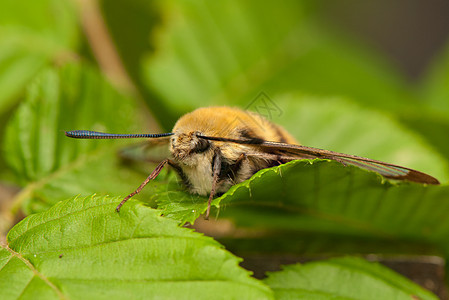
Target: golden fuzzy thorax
(195,155)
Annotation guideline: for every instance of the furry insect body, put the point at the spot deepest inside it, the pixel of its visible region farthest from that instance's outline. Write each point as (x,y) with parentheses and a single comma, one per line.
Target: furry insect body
(214,148)
(195,155)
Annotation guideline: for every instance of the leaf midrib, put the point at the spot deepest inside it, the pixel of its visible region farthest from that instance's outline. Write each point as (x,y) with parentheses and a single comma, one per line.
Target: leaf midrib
(36,272)
(200,238)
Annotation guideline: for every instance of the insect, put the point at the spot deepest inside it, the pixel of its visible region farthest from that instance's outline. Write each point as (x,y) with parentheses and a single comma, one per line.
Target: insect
(214,148)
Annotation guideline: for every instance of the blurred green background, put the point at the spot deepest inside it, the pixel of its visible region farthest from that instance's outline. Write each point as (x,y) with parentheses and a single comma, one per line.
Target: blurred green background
(369,78)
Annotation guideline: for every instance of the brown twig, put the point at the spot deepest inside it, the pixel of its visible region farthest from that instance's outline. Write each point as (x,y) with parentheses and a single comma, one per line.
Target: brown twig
(102,44)
(106,54)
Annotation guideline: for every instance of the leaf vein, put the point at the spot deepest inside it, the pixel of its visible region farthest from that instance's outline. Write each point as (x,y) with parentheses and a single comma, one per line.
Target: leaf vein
(36,272)
(123,240)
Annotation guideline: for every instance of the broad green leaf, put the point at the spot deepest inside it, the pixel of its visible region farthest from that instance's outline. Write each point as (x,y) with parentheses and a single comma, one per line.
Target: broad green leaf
(325,197)
(82,248)
(343,278)
(54,167)
(228,52)
(32,34)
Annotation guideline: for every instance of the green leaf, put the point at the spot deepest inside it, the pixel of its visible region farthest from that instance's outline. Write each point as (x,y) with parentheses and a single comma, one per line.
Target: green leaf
(54,167)
(32,34)
(343,278)
(213,57)
(176,203)
(327,198)
(83,249)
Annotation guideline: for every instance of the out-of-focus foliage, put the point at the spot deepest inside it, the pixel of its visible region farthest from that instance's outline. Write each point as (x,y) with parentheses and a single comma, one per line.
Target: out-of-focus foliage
(52,167)
(32,34)
(227,52)
(436,87)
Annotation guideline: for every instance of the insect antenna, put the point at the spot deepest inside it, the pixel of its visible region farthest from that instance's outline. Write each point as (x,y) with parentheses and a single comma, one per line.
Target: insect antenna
(87,134)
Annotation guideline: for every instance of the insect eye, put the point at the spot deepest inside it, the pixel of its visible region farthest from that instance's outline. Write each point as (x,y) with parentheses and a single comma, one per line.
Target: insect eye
(201,146)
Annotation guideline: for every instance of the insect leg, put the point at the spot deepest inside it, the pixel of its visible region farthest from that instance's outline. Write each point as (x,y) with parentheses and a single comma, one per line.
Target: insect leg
(153,175)
(235,167)
(216,172)
(238,163)
(180,172)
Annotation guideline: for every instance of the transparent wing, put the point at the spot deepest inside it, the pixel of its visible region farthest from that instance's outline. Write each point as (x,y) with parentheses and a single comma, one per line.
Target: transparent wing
(385,169)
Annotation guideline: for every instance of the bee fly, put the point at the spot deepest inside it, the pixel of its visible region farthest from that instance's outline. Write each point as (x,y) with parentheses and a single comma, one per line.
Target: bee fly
(214,148)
